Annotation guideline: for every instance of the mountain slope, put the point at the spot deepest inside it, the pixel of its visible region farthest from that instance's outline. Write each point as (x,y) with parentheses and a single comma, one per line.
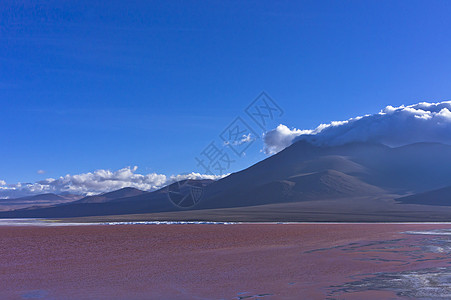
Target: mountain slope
(41,200)
(440,197)
(106,204)
(328,184)
(302,172)
(122,193)
(46,197)
(147,202)
(414,168)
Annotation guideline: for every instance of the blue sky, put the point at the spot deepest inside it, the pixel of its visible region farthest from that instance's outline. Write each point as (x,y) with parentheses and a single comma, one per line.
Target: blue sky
(88,85)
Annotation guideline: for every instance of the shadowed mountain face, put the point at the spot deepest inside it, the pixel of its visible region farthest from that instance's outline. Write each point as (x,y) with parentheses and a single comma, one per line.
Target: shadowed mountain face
(441,197)
(304,172)
(301,173)
(48,197)
(123,201)
(122,193)
(37,200)
(145,201)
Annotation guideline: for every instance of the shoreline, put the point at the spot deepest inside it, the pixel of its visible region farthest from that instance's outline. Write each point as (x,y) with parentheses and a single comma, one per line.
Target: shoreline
(61,222)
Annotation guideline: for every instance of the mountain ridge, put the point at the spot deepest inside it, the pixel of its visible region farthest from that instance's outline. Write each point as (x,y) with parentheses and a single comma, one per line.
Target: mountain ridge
(302,172)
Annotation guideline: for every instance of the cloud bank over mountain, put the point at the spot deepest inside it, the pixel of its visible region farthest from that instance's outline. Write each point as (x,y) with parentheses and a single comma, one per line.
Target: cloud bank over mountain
(393,126)
(96,182)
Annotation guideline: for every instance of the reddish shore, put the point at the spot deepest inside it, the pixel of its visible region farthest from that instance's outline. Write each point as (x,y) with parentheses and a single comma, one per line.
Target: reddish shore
(267,261)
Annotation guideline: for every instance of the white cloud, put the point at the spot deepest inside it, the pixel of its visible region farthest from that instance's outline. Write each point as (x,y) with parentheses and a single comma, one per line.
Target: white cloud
(394,126)
(96,182)
(40,172)
(175,178)
(2,182)
(244,139)
(280,138)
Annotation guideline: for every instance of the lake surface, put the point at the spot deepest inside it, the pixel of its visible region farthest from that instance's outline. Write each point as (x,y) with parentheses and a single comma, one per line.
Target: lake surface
(225,261)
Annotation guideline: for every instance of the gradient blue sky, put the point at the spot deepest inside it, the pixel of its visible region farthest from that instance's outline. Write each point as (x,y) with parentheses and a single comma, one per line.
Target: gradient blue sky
(88,85)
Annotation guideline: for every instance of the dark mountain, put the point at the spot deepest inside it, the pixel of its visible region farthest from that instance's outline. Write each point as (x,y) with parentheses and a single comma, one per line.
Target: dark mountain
(328,184)
(146,202)
(47,197)
(301,173)
(36,201)
(304,172)
(440,197)
(122,193)
(143,202)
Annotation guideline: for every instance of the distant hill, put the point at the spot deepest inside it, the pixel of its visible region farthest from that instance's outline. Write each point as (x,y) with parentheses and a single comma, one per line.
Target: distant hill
(122,193)
(374,175)
(48,197)
(156,201)
(440,197)
(41,200)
